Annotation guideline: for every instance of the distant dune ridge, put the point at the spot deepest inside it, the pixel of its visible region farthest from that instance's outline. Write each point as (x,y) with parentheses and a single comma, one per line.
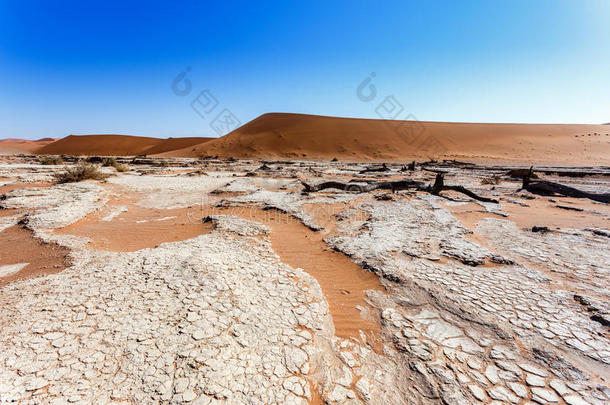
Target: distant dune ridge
(171,144)
(116,145)
(300,136)
(13,146)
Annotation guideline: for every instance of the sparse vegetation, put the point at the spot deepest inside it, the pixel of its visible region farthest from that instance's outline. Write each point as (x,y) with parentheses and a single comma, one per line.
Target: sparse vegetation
(80,172)
(94,159)
(121,168)
(51,161)
(493,179)
(108,162)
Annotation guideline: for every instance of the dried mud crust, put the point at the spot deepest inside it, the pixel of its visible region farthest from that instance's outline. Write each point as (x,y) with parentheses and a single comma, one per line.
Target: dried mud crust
(221,318)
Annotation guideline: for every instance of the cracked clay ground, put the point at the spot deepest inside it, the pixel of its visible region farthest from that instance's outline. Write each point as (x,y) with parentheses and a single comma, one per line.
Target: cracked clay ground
(214,282)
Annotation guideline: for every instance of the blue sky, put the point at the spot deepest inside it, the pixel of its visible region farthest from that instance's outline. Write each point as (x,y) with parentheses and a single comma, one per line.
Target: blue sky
(108,67)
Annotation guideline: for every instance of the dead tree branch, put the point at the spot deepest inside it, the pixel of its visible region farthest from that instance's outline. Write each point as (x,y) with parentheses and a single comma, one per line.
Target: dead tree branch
(364,188)
(373,169)
(549,188)
(406,184)
(439,185)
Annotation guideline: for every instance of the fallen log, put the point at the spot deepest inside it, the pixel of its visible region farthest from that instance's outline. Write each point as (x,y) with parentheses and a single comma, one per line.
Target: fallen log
(372,169)
(364,188)
(406,184)
(439,185)
(549,188)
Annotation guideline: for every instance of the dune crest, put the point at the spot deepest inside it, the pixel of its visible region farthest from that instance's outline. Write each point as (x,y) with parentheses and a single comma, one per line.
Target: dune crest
(12,146)
(116,145)
(298,136)
(301,136)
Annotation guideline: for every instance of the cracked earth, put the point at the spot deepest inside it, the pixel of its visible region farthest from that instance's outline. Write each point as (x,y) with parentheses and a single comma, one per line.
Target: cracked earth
(218,282)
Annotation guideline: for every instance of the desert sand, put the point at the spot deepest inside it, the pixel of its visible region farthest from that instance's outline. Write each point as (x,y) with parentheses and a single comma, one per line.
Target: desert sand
(171,144)
(106,145)
(115,145)
(298,136)
(14,146)
(189,277)
(203,280)
(311,137)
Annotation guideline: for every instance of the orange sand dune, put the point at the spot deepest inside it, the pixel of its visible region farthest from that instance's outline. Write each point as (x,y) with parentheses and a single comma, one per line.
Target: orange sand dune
(172,144)
(106,145)
(116,145)
(14,146)
(280,135)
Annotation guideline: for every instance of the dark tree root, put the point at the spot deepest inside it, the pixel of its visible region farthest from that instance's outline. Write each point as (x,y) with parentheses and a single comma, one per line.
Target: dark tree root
(435,189)
(549,188)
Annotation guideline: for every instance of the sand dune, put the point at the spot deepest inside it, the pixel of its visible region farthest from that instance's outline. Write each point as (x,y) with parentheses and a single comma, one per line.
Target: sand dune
(116,145)
(107,145)
(300,136)
(172,144)
(317,137)
(12,146)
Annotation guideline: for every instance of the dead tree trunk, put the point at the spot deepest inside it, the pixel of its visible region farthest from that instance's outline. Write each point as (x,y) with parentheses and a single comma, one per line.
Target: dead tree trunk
(549,188)
(394,186)
(364,188)
(439,185)
(383,168)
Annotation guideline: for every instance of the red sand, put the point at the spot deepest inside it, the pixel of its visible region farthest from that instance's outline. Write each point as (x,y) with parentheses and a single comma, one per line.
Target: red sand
(299,136)
(18,245)
(117,145)
(172,144)
(106,145)
(317,137)
(13,146)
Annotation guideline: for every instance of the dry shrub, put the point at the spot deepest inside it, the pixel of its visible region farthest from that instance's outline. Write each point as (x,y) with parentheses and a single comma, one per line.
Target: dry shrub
(493,179)
(51,161)
(121,168)
(107,162)
(80,172)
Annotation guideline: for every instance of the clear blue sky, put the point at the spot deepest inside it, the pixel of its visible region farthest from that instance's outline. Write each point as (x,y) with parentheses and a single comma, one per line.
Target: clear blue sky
(107,67)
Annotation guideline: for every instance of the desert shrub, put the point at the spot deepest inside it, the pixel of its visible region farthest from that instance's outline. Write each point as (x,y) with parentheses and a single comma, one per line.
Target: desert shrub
(121,168)
(163,163)
(109,161)
(94,159)
(493,179)
(112,162)
(51,161)
(80,172)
